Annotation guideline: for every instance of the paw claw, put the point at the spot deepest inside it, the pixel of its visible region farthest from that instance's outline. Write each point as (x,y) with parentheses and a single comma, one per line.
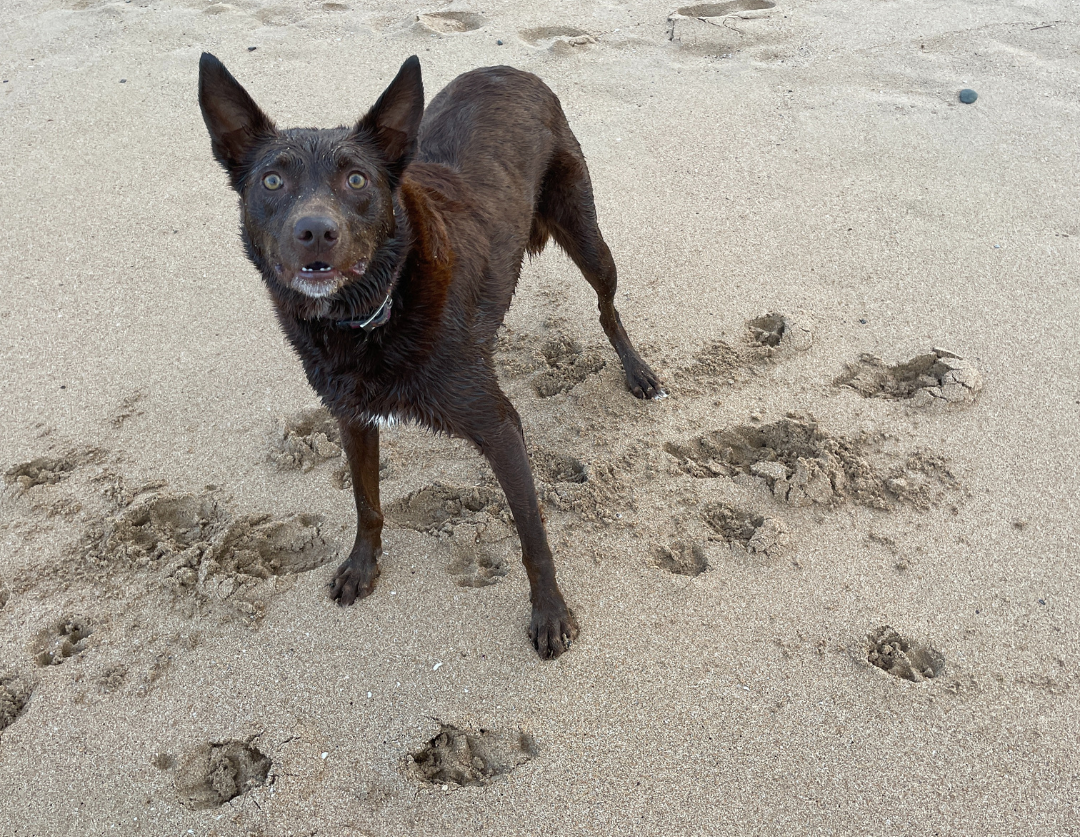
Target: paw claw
(354,580)
(551,635)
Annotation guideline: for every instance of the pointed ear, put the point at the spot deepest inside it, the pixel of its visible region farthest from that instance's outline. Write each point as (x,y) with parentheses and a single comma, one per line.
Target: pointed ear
(394,120)
(233,119)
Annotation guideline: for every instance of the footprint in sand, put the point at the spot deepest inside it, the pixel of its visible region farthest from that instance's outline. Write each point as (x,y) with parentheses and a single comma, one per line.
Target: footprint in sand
(451,23)
(595,492)
(748,534)
(441,507)
(802,465)
(682,558)
(713,25)
(14,695)
(556,37)
(474,563)
(568,365)
(62,640)
(196,548)
(218,772)
(468,757)
(937,379)
(723,9)
(769,338)
(49,470)
(912,661)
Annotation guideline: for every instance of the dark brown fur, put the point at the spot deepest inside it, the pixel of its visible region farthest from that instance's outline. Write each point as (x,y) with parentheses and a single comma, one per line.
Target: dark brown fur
(436,215)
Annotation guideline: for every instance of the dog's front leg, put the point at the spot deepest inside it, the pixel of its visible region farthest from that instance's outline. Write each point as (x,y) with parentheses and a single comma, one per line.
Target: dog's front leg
(553,626)
(356,577)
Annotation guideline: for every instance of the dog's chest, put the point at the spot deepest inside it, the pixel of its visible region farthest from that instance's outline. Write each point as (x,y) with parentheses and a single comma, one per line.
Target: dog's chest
(362,379)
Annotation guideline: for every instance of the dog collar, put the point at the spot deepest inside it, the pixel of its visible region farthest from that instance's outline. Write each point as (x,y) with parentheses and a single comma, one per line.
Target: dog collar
(380,317)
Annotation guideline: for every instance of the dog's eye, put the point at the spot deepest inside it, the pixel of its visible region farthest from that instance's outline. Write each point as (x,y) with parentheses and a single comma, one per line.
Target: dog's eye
(357,180)
(273,181)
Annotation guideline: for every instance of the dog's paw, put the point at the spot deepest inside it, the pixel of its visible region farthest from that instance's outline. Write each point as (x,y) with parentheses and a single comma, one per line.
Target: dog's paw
(643,382)
(355,579)
(552,631)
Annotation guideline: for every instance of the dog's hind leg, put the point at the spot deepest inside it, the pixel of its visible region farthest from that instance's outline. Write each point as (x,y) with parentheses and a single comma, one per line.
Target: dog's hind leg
(494,427)
(566,210)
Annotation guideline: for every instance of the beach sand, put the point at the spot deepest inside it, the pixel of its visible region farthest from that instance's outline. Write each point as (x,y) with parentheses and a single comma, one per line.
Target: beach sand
(828,586)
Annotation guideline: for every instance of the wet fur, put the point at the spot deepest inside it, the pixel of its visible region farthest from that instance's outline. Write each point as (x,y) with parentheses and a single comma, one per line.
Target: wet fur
(453,203)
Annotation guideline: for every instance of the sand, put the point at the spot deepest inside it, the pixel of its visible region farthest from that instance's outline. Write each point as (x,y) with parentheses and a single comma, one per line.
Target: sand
(828,586)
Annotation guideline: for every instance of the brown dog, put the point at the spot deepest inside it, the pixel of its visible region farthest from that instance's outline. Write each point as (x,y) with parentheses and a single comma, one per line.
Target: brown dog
(391,250)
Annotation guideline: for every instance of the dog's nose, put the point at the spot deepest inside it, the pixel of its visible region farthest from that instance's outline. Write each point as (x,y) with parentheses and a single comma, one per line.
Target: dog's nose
(316,232)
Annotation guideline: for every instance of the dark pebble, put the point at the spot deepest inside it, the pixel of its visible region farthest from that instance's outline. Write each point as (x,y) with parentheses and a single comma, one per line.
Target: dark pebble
(252,49)
(498,43)
(123,81)
(62,386)
(863,322)
(1042,601)
(967,96)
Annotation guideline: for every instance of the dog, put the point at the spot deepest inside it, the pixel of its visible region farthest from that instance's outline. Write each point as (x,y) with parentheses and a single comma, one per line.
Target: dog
(391,250)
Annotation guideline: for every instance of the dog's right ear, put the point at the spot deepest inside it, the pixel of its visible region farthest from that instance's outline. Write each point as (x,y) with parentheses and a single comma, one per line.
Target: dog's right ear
(394,120)
(233,119)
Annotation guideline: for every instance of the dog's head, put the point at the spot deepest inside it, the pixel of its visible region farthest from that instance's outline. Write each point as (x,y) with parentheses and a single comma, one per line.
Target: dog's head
(316,204)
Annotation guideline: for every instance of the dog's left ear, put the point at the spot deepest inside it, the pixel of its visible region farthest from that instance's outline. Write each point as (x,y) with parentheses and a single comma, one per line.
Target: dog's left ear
(394,120)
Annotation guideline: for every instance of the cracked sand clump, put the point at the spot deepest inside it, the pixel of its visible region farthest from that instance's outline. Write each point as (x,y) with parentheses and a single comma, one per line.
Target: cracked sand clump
(746,532)
(302,441)
(907,660)
(937,379)
(199,551)
(802,465)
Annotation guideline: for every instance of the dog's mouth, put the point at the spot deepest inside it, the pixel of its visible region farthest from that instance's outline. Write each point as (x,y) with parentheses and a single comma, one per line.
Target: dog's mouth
(319,279)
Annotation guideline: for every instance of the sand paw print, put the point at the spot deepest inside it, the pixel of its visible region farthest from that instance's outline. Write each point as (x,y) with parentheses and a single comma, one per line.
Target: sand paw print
(682,558)
(475,565)
(450,23)
(600,492)
(568,365)
(901,658)
(14,696)
(937,379)
(776,335)
(216,773)
(769,338)
(63,640)
(467,757)
(49,470)
(439,508)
